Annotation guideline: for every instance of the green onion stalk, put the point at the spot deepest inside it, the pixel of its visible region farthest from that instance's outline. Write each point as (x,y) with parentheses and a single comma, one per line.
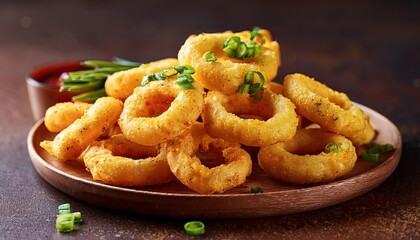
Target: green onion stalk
(91,83)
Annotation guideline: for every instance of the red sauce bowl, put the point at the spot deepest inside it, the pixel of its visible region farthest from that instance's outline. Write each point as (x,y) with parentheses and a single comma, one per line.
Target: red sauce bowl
(44,87)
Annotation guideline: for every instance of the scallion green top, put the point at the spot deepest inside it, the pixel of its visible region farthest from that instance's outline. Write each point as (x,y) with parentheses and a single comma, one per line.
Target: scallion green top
(91,82)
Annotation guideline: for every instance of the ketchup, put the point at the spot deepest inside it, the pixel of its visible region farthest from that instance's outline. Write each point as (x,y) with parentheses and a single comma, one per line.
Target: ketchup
(50,74)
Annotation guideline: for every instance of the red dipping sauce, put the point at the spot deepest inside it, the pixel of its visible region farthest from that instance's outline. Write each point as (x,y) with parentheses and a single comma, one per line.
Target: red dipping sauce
(44,86)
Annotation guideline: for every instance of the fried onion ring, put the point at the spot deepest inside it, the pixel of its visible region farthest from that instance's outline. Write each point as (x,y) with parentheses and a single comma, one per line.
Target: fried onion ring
(120,162)
(275,87)
(61,115)
(160,111)
(73,140)
(121,84)
(187,167)
(332,110)
(227,117)
(302,160)
(227,74)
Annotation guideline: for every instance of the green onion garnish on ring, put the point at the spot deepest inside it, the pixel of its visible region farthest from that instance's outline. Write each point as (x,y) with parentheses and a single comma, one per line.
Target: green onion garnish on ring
(210,56)
(255,33)
(184,73)
(237,49)
(256,90)
(331,147)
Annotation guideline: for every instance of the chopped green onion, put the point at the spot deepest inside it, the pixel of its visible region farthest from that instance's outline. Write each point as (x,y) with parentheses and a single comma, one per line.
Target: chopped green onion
(210,56)
(66,219)
(194,228)
(237,49)
(65,222)
(373,151)
(77,216)
(255,90)
(344,146)
(241,51)
(186,69)
(331,147)
(243,89)
(370,157)
(256,189)
(232,43)
(170,72)
(184,80)
(64,206)
(64,211)
(256,33)
(379,148)
(148,78)
(160,75)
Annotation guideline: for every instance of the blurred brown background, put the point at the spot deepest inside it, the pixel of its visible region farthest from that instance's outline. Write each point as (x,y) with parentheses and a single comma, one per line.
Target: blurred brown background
(368,49)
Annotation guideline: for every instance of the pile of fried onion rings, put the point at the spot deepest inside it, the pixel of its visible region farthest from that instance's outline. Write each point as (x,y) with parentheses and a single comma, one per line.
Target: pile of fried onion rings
(194,118)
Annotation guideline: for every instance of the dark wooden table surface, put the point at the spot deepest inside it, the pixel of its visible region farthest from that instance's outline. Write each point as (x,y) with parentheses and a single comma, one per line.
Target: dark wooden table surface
(371,51)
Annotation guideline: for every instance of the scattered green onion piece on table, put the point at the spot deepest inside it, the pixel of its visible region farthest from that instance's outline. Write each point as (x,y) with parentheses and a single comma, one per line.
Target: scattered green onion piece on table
(210,56)
(256,189)
(64,222)
(331,147)
(64,206)
(194,228)
(66,219)
(77,217)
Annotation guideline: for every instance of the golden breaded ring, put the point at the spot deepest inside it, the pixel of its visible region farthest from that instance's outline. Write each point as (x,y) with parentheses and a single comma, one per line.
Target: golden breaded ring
(61,115)
(120,162)
(332,110)
(73,140)
(160,111)
(302,160)
(227,74)
(277,119)
(187,167)
(121,84)
(275,87)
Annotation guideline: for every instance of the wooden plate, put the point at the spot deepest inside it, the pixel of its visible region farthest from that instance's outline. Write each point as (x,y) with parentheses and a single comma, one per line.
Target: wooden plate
(175,200)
